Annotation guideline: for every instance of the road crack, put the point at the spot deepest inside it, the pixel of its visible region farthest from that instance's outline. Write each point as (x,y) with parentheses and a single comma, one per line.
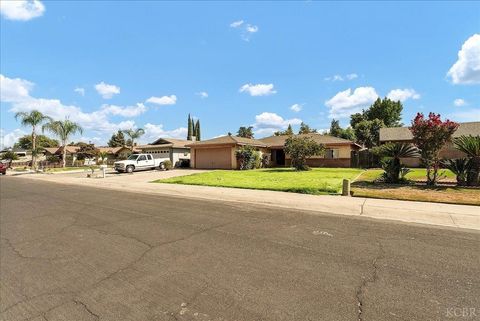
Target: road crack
(96,316)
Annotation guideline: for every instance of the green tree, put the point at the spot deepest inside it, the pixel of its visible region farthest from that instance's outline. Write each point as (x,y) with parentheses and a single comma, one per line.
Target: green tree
(102,157)
(190,128)
(117,140)
(391,164)
(246,132)
(461,167)
(33,119)
(25,142)
(430,135)
(288,131)
(367,132)
(133,135)
(9,155)
(387,110)
(470,145)
(86,151)
(337,131)
(198,134)
(305,129)
(64,130)
(248,158)
(300,149)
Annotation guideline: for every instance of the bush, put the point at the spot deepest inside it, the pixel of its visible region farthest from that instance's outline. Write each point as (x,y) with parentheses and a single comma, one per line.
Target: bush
(53,159)
(301,148)
(184,163)
(460,167)
(392,152)
(167,164)
(9,155)
(248,158)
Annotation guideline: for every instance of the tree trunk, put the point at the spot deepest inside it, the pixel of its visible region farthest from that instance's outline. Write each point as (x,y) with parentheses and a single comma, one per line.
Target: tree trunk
(64,157)
(34,146)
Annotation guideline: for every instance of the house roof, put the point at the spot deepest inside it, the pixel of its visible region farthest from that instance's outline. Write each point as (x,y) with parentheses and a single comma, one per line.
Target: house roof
(70,149)
(51,150)
(404,134)
(228,140)
(279,141)
(175,143)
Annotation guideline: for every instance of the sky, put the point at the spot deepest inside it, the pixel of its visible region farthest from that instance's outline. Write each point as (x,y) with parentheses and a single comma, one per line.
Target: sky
(119,65)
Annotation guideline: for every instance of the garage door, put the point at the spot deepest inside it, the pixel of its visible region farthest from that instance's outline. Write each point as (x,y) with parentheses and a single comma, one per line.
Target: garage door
(213,158)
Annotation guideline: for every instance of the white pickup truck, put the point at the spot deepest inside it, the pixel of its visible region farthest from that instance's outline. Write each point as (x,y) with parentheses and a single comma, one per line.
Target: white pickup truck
(139,162)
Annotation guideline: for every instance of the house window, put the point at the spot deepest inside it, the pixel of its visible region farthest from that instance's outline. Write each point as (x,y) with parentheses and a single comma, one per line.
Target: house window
(331,153)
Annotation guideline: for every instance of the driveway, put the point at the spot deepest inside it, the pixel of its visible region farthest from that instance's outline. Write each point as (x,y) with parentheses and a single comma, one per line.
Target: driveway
(72,252)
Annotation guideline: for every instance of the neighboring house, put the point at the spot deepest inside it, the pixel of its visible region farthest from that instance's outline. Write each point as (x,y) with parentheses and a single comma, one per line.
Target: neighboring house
(220,152)
(403,135)
(118,152)
(175,149)
(18,151)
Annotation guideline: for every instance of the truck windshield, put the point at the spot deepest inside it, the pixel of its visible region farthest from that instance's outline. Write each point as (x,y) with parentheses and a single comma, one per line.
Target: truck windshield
(132,157)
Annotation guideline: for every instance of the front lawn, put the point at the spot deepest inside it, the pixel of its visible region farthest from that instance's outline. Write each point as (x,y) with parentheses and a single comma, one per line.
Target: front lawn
(415,174)
(315,181)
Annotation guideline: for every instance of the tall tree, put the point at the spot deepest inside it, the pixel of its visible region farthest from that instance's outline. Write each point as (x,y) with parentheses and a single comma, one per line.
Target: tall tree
(190,128)
(305,129)
(198,134)
(387,110)
(246,132)
(25,142)
(430,135)
(117,140)
(32,119)
(133,135)
(337,131)
(367,132)
(300,148)
(64,130)
(288,131)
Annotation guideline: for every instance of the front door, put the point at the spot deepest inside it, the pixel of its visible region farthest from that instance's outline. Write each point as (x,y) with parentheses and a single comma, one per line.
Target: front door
(280,157)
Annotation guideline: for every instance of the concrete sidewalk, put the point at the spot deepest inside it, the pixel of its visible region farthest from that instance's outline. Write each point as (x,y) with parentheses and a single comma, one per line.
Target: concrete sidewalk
(449,215)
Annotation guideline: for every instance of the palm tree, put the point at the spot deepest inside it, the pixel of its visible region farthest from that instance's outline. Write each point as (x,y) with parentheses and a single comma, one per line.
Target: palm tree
(103,157)
(393,152)
(460,167)
(33,119)
(64,130)
(470,145)
(134,134)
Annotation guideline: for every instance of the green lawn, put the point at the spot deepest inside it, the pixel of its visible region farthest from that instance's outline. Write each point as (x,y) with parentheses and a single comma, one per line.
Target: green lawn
(315,181)
(416,174)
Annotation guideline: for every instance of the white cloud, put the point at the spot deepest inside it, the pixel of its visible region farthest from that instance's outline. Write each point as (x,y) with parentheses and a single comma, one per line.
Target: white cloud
(341,78)
(107,91)
(129,111)
(14,89)
(251,28)
(8,139)
(236,24)
(258,90)
(296,107)
(80,91)
(467,68)
(346,102)
(21,9)
(459,102)
(203,94)
(403,94)
(153,132)
(165,100)
(465,115)
(267,123)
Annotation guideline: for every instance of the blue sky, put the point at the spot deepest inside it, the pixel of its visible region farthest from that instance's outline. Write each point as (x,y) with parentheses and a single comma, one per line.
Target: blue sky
(115,65)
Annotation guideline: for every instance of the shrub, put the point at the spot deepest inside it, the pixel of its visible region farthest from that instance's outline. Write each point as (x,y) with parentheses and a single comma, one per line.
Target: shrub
(9,155)
(301,148)
(460,167)
(248,158)
(53,158)
(167,164)
(470,145)
(392,152)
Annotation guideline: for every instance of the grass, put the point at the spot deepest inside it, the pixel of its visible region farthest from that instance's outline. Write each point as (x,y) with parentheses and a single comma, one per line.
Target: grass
(364,186)
(315,181)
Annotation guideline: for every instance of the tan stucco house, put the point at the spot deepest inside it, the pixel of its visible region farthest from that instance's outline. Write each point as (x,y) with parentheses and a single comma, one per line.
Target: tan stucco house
(220,152)
(403,135)
(175,149)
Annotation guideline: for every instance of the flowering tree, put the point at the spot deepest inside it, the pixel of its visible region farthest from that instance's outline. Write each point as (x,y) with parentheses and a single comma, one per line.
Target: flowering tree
(430,135)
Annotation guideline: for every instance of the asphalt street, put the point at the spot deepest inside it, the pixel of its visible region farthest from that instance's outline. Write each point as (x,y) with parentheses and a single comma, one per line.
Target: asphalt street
(78,253)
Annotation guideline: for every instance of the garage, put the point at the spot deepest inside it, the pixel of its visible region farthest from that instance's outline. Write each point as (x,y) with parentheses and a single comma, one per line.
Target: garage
(219,158)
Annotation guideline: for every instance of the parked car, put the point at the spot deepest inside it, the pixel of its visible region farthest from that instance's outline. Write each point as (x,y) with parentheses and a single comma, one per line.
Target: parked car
(3,168)
(139,162)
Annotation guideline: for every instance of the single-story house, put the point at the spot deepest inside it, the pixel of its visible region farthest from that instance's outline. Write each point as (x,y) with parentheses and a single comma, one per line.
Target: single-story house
(220,152)
(175,149)
(117,152)
(403,135)
(20,152)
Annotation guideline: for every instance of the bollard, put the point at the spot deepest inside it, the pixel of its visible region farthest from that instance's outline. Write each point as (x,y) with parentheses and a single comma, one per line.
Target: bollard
(346,187)
(103,171)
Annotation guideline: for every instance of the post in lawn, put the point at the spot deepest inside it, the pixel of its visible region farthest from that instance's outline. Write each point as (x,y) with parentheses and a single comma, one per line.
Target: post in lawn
(346,187)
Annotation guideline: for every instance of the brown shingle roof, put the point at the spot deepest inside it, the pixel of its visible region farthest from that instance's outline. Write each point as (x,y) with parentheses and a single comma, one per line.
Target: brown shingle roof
(175,143)
(228,140)
(279,141)
(404,134)
(51,150)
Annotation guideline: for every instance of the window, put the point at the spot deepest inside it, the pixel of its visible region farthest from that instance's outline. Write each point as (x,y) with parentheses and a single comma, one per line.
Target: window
(142,158)
(331,153)
(149,157)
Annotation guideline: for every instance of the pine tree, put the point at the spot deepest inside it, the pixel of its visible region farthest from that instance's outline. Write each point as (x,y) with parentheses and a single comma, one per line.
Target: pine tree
(197,130)
(190,128)
(117,140)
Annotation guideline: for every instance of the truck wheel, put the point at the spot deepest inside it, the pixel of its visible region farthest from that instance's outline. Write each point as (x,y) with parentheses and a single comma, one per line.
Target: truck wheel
(129,169)
(161,166)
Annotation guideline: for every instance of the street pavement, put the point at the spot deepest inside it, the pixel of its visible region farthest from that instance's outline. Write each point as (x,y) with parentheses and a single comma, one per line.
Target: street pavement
(72,252)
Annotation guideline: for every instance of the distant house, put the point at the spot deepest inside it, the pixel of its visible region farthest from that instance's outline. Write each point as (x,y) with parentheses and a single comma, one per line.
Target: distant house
(20,152)
(175,149)
(403,135)
(117,152)
(220,152)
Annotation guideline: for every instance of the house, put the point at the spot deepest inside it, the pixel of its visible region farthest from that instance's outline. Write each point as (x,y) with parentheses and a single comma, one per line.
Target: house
(220,152)
(403,135)
(117,152)
(20,152)
(175,149)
